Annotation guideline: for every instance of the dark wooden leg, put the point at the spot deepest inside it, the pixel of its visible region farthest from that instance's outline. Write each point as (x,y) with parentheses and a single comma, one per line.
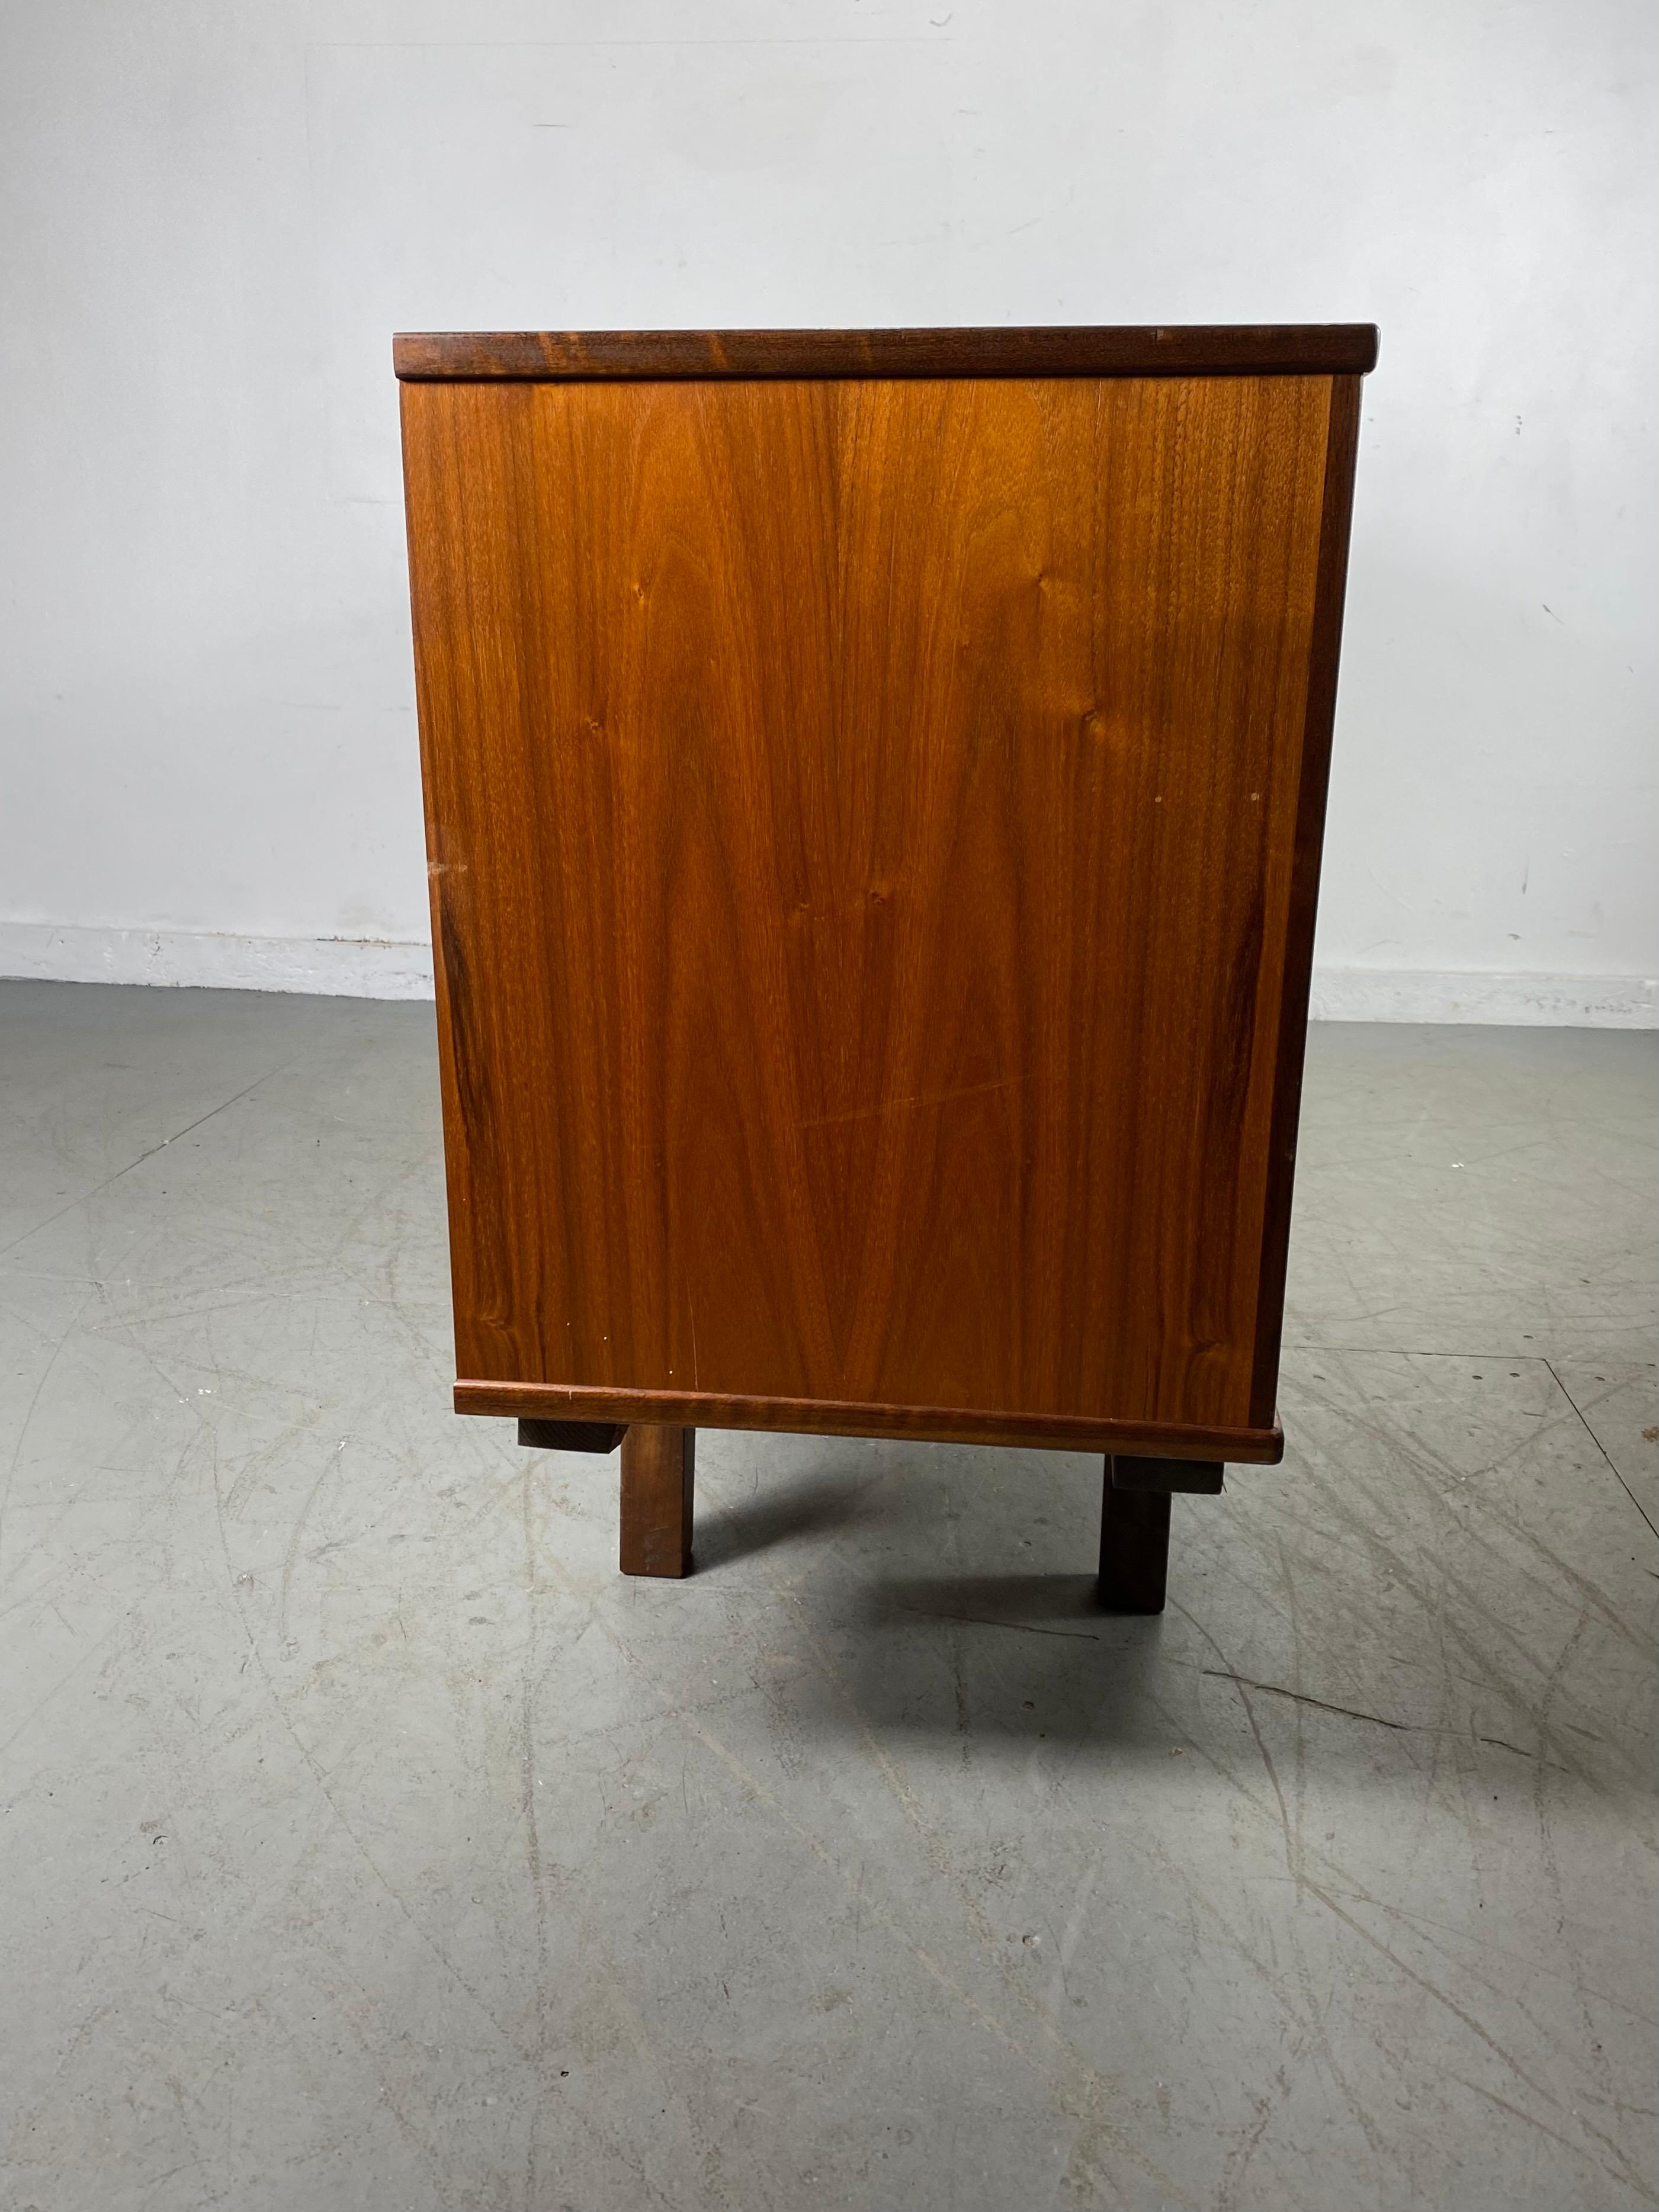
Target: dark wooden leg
(1134,1526)
(1134,1547)
(656,1500)
(571,1435)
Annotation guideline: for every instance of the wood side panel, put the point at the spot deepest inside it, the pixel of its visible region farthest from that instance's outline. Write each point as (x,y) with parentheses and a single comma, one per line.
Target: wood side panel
(862,819)
(1055,350)
(1313,783)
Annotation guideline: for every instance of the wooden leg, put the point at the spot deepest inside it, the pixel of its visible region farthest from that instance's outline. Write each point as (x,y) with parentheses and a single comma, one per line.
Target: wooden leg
(656,1500)
(1134,1547)
(1195,1478)
(571,1435)
(1134,1526)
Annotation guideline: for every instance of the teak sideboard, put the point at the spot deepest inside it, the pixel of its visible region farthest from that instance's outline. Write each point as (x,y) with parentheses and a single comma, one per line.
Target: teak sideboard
(874,789)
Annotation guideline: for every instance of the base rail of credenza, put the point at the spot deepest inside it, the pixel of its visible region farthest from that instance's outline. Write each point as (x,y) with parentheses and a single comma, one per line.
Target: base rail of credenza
(657,1459)
(602,1409)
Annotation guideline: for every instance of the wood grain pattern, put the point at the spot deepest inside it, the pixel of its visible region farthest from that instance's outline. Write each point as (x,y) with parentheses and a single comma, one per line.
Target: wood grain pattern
(1235,349)
(863,823)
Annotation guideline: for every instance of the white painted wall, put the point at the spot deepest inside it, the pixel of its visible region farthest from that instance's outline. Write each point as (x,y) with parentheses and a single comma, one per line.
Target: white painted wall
(215,216)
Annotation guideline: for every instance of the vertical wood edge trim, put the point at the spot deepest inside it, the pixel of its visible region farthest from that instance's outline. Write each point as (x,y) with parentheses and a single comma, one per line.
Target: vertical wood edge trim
(454,1146)
(1342,445)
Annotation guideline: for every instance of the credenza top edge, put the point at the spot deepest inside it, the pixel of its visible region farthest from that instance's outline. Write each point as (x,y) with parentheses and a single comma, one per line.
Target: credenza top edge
(1058,350)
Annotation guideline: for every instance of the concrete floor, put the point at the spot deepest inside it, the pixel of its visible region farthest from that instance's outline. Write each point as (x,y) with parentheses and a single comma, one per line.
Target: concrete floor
(366,1841)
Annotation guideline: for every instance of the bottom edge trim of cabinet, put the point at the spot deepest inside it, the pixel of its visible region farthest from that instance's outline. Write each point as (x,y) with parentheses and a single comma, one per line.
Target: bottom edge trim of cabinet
(831,1417)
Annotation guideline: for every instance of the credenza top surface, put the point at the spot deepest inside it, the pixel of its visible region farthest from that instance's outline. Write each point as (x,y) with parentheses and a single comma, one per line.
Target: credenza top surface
(1057,350)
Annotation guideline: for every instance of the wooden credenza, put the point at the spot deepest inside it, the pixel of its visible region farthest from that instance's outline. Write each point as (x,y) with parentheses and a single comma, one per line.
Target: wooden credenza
(874,788)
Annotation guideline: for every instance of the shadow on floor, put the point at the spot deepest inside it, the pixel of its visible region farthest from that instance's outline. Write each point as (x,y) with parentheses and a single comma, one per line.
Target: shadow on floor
(1027,1657)
(728,1533)
(1040,1604)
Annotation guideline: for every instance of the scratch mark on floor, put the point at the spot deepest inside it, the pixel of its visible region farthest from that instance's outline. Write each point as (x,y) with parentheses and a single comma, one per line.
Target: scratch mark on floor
(1297,1697)
(82,1198)
(981,1621)
(1600,1447)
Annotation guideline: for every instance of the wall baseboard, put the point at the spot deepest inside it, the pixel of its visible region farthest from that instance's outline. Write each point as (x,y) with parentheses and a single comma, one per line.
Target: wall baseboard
(1513,998)
(325,967)
(374,968)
